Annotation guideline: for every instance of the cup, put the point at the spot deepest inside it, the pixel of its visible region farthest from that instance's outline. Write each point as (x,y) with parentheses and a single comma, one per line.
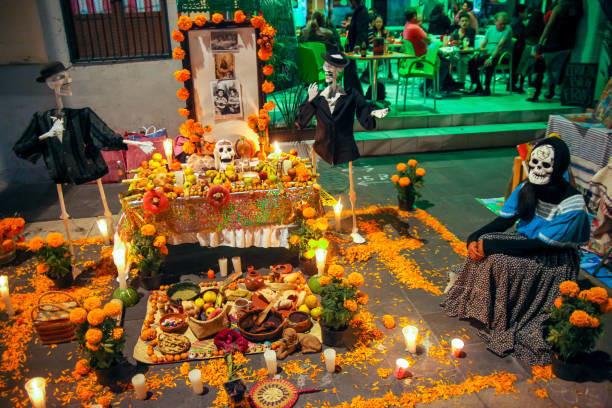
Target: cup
(330,359)
(271,363)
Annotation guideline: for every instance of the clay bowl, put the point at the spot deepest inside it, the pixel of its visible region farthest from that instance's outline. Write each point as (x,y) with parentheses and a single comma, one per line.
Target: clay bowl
(274,319)
(299,321)
(180,328)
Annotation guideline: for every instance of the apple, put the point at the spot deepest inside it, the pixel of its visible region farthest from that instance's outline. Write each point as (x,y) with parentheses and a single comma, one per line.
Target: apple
(263,175)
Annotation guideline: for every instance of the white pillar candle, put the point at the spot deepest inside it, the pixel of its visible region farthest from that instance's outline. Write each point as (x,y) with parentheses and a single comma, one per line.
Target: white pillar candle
(37,392)
(410,337)
(168,150)
(270,358)
(338,213)
(6,296)
(179,178)
(140,387)
(103,227)
(457,348)
(237,264)
(120,259)
(195,378)
(320,255)
(401,369)
(223,267)
(330,359)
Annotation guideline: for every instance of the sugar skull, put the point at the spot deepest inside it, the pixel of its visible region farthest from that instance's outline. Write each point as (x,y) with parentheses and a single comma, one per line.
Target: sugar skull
(224,154)
(541,165)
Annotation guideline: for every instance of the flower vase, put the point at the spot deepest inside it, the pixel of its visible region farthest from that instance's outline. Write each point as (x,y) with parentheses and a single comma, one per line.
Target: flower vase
(65,281)
(151,282)
(308,266)
(334,338)
(571,370)
(406,201)
(113,376)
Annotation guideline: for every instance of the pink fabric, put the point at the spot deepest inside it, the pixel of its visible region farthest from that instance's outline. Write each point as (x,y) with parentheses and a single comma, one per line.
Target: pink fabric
(135,156)
(415,34)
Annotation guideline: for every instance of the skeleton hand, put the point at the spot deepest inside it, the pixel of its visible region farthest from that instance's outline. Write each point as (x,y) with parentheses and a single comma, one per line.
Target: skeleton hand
(57,130)
(146,147)
(313,91)
(380,113)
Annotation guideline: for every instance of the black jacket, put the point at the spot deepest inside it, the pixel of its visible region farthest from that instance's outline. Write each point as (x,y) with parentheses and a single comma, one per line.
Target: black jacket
(77,158)
(334,137)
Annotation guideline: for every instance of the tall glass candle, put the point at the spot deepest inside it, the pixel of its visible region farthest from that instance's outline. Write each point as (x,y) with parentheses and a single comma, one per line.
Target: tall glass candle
(195,378)
(237,263)
(330,359)
(168,150)
(223,267)
(457,348)
(6,296)
(410,337)
(338,213)
(36,388)
(320,255)
(271,363)
(103,227)
(120,259)
(140,387)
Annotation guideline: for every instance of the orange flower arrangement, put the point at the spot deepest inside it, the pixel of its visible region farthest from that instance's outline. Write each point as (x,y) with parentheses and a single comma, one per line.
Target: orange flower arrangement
(336,271)
(163,250)
(36,244)
(404,182)
(183,112)
(268,70)
(91,303)
(395,178)
(178,36)
(182,94)
(401,167)
(55,239)
(309,212)
(78,315)
(412,163)
(294,239)
(355,279)
(96,317)
(569,288)
(200,20)
(267,87)
(420,172)
(239,17)
(606,307)
(580,318)
(94,336)
(185,23)
(269,106)
(258,22)
(159,241)
(112,309)
(350,305)
(117,333)
(188,147)
(268,31)
(325,280)
(148,230)
(42,268)
(182,75)
(264,54)
(92,347)
(217,18)
(388,321)
(178,53)
(596,295)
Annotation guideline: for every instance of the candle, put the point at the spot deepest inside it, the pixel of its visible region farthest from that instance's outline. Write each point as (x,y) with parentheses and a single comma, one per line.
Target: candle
(457,348)
(6,296)
(103,227)
(410,337)
(330,360)
(276,154)
(140,387)
(338,213)
(401,369)
(223,267)
(195,378)
(237,263)
(320,255)
(120,259)
(270,358)
(168,150)
(36,391)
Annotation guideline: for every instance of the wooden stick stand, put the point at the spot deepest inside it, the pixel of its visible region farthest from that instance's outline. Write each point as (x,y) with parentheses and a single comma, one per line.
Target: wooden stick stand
(107,213)
(64,216)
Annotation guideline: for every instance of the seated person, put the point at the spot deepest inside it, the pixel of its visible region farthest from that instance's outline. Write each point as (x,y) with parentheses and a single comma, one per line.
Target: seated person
(464,37)
(468,7)
(315,31)
(511,279)
(498,39)
(377,29)
(414,33)
(439,23)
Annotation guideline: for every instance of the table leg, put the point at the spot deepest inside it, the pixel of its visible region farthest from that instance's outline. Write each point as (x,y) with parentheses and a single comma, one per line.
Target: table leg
(374,80)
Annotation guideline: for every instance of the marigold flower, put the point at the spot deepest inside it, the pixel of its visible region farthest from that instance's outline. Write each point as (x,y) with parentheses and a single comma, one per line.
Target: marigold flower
(207,129)
(182,75)
(159,241)
(324,280)
(569,288)
(148,230)
(200,20)
(112,309)
(78,315)
(163,250)
(594,322)
(105,401)
(269,106)
(350,305)
(188,147)
(239,17)
(420,172)
(94,336)
(412,163)
(117,333)
(268,69)
(395,178)
(82,367)
(309,212)
(267,87)
(401,167)
(91,303)
(96,317)
(36,244)
(264,54)
(294,239)
(580,318)
(321,224)
(404,182)
(217,18)
(355,279)
(42,268)
(8,245)
(388,321)
(182,94)
(258,22)
(336,271)
(596,295)
(362,298)
(178,53)
(55,239)
(558,302)
(178,36)
(606,307)
(184,23)
(183,112)
(268,31)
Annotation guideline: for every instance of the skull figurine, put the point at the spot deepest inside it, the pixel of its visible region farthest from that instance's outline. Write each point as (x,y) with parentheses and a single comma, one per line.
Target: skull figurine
(541,165)
(61,83)
(331,73)
(224,154)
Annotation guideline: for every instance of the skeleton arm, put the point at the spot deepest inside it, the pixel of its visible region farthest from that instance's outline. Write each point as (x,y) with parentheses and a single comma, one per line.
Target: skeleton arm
(380,113)
(146,147)
(57,130)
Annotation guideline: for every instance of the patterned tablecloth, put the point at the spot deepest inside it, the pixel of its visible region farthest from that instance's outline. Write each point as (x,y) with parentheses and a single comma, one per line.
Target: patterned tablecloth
(590,144)
(254,218)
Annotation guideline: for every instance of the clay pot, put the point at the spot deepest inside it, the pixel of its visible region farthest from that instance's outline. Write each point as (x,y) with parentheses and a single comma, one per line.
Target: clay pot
(280,271)
(299,321)
(254,280)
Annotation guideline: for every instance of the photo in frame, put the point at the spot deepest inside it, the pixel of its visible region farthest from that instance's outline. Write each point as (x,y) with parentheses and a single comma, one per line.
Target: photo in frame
(224,41)
(227,99)
(224,66)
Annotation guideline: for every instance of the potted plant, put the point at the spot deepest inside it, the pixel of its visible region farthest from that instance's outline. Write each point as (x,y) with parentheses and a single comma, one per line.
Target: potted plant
(407,179)
(54,259)
(10,229)
(101,338)
(340,300)
(308,236)
(574,326)
(149,251)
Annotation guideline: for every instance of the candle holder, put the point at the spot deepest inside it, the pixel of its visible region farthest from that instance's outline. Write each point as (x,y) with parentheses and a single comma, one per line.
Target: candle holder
(338,214)
(401,369)
(36,389)
(457,348)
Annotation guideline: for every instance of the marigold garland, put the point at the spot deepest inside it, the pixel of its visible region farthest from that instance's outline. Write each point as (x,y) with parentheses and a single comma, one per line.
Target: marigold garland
(182,94)
(178,36)
(184,112)
(268,69)
(184,23)
(239,17)
(178,53)
(217,18)
(200,20)
(267,87)
(182,75)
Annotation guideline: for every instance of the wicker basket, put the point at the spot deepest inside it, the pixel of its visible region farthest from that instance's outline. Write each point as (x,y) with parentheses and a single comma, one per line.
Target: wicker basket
(51,320)
(203,329)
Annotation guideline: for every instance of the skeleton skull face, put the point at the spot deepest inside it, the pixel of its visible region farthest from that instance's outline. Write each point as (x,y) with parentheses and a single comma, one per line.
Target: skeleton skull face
(224,154)
(541,165)
(331,72)
(61,83)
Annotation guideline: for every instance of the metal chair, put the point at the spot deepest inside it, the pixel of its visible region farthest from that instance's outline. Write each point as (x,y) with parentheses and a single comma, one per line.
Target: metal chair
(504,65)
(426,67)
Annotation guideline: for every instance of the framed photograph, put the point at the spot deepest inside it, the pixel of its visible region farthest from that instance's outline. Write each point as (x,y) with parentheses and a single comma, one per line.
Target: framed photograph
(227,99)
(224,66)
(224,41)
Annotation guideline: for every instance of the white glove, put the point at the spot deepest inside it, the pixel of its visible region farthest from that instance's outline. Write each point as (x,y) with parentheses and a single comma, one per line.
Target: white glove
(313,91)
(146,147)
(380,113)
(57,130)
